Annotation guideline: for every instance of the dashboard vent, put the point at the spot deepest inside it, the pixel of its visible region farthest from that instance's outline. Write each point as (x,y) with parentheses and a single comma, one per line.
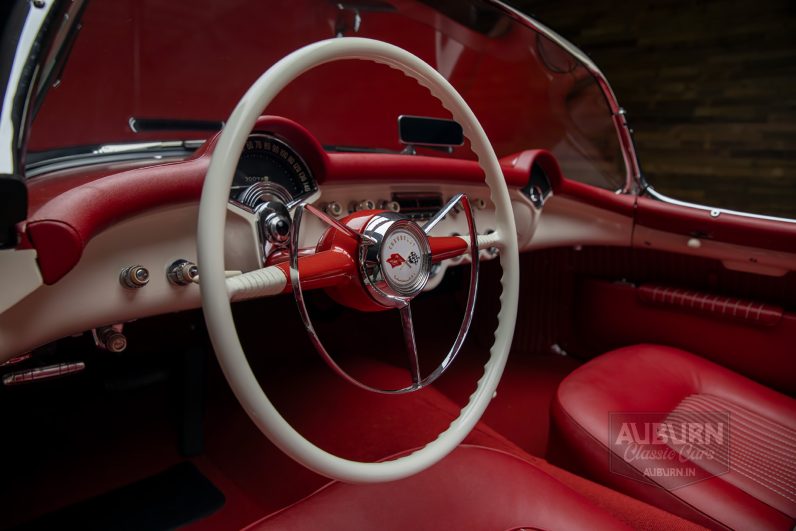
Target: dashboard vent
(538,188)
(418,205)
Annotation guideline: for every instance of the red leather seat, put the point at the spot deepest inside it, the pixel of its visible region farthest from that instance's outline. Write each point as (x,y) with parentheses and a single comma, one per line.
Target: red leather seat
(473,488)
(749,483)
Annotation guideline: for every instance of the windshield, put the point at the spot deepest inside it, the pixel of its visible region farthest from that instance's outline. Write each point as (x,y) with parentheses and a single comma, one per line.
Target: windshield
(159,60)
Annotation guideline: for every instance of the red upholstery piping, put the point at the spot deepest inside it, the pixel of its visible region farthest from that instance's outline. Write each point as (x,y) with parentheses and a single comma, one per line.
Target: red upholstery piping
(746,311)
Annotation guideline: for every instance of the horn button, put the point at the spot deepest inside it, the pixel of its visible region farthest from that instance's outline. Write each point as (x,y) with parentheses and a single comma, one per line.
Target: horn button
(395,259)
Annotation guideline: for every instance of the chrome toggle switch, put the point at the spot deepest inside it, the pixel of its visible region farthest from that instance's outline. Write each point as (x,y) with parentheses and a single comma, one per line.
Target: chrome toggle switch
(110,338)
(365,204)
(392,206)
(182,272)
(134,277)
(334,209)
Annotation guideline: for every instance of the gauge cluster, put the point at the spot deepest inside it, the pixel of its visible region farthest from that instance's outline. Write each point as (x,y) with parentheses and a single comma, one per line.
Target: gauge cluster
(273,165)
(282,163)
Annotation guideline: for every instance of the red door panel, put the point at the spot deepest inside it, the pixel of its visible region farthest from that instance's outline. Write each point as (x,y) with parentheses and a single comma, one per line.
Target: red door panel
(726,228)
(610,315)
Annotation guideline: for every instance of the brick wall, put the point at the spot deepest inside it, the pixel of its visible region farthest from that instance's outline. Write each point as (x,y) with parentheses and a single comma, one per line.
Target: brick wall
(710,88)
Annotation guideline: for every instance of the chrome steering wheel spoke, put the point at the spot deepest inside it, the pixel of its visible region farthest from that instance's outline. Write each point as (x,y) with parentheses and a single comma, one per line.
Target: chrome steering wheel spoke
(439,216)
(329,220)
(469,309)
(411,346)
(402,303)
(298,294)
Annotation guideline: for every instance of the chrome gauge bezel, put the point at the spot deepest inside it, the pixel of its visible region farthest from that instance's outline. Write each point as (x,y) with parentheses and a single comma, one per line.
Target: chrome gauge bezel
(286,151)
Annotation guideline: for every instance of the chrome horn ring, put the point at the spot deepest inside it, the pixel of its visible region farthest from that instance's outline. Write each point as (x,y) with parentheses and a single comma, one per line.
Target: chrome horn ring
(385,233)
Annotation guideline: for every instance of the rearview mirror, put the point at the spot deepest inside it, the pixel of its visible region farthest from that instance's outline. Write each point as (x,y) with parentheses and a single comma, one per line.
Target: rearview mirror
(424,131)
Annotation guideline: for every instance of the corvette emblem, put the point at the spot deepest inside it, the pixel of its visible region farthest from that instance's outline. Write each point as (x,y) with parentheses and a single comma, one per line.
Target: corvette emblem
(395,260)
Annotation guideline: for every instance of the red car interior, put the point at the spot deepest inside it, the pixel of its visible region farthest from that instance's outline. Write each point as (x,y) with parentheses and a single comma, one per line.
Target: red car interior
(91,434)
(572,300)
(628,304)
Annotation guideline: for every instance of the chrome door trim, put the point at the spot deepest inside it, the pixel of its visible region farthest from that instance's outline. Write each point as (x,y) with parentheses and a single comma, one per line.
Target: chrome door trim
(20,83)
(715,212)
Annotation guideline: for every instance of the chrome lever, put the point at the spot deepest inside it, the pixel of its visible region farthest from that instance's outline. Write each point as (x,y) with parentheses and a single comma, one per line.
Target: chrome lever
(42,373)
(326,218)
(439,216)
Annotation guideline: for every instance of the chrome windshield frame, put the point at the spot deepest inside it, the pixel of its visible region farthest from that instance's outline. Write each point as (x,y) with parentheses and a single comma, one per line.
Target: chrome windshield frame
(634,181)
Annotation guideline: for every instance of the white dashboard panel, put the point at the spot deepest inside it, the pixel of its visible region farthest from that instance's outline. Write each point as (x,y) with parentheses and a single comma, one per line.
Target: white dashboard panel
(91,295)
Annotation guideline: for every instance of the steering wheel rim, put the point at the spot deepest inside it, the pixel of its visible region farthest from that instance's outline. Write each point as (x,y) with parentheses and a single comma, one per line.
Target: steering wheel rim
(215,296)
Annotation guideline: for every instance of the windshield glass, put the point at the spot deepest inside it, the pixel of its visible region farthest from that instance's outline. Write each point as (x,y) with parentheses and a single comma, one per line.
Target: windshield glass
(153,59)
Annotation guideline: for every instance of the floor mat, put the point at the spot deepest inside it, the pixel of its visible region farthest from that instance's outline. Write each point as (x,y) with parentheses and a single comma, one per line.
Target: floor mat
(521,409)
(175,497)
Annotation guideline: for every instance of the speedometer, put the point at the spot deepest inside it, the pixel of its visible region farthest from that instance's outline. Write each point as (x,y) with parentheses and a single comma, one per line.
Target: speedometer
(267,159)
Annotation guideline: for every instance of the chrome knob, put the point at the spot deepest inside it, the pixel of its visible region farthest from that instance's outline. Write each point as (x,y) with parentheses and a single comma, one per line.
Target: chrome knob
(365,204)
(333,209)
(277,227)
(134,277)
(110,339)
(182,272)
(392,206)
(274,222)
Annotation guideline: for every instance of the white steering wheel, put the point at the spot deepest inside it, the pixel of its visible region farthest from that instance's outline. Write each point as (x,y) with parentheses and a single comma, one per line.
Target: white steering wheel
(217,291)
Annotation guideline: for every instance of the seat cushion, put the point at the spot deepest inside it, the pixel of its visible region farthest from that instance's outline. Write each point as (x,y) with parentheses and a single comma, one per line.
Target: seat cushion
(473,488)
(733,466)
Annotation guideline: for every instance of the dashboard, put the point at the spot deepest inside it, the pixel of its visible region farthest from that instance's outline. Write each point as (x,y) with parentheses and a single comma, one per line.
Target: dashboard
(87,226)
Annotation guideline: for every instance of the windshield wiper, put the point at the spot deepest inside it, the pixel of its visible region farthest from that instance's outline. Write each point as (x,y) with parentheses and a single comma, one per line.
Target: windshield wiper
(146,125)
(42,162)
(128,147)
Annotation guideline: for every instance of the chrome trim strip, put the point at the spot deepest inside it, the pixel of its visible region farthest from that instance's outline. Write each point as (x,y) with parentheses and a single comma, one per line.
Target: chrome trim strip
(633,180)
(134,146)
(666,199)
(42,373)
